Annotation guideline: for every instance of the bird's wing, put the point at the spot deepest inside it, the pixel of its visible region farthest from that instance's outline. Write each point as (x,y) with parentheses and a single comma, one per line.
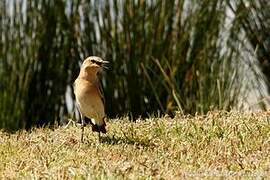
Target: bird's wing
(101,93)
(74,86)
(100,90)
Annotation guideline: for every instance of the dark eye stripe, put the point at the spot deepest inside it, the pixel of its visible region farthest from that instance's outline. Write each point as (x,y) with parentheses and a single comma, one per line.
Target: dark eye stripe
(97,62)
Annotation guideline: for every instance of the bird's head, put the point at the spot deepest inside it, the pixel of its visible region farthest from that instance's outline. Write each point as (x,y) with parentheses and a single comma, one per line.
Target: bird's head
(94,64)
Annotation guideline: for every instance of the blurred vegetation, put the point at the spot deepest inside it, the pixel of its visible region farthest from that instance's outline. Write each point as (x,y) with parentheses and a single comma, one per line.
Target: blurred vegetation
(254,19)
(164,56)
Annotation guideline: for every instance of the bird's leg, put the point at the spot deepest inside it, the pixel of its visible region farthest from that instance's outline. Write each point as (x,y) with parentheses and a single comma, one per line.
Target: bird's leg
(82,120)
(82,133)
(99,136)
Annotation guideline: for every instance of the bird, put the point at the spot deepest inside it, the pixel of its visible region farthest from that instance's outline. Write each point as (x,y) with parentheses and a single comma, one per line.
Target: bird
(89,95)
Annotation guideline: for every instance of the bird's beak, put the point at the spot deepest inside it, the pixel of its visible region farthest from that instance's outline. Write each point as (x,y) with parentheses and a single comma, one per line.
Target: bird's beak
(104,64)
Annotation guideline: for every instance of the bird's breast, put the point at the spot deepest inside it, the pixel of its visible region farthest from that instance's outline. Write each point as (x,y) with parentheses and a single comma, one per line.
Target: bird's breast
(89,100)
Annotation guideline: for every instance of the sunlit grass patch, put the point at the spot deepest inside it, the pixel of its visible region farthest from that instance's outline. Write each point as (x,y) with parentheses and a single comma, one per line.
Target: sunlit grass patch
(216,144)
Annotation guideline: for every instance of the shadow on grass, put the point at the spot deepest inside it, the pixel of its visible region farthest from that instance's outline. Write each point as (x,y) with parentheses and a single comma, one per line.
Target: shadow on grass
(114,140)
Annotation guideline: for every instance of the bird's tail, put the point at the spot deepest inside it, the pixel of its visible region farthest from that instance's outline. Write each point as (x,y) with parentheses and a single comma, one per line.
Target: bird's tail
(98,128)
(95,127)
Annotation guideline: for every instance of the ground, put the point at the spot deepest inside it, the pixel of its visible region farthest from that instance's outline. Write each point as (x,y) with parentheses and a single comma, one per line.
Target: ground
(219,144)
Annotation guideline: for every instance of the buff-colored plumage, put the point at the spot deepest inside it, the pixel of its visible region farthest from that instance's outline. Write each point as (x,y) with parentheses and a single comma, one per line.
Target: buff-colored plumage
(88,93)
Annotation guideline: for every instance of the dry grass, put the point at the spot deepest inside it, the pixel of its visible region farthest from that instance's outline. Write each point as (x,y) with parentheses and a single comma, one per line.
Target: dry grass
(217,144)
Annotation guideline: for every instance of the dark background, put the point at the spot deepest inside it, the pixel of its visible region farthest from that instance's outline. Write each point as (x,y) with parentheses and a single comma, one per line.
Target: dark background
(190,56)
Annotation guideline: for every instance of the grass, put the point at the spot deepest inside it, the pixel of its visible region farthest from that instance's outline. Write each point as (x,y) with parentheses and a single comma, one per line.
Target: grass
(219,144)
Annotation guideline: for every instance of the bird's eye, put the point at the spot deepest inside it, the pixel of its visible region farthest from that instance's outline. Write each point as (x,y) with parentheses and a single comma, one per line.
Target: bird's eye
(96,62)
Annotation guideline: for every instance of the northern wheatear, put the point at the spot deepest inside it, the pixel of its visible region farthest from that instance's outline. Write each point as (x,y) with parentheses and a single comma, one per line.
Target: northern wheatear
(89,95)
